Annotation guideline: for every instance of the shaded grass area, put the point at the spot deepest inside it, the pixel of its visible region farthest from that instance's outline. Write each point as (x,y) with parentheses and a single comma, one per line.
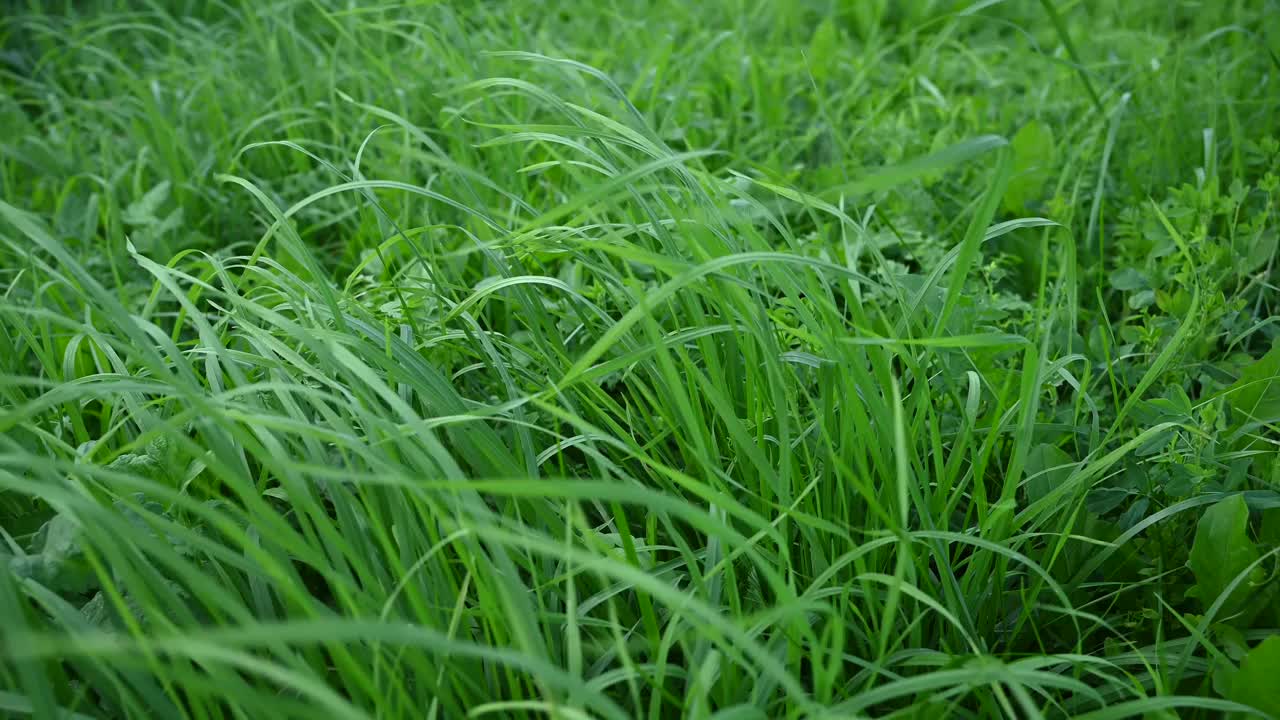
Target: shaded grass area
(732,360)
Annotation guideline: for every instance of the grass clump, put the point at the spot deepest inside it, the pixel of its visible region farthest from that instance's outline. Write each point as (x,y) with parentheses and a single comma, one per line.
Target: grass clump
(711,360)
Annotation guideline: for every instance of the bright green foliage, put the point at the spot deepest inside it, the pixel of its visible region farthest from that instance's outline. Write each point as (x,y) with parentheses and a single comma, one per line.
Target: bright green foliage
(725,359)
(1221,553)
(56,560)
(1256,394)
(1047,468)
(1034,155)
(824,49)
(1254,684)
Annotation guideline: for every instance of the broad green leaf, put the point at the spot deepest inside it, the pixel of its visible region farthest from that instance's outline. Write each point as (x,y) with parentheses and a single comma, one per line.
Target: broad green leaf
(1129,279)
(1033,154)
(1256,395)
(143,210)
(1261,248)
(1257,682)
(1103,500)
(1231,641)
(1046,468)
(822,49)
(1270,535)
(1221,551)
(1143,299)
(57,560)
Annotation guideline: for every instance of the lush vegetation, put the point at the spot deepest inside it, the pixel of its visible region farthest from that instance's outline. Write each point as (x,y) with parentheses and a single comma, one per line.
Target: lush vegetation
(639,359)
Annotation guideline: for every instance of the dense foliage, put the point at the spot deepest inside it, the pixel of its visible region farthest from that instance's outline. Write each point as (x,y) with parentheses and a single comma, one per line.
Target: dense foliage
(728,359)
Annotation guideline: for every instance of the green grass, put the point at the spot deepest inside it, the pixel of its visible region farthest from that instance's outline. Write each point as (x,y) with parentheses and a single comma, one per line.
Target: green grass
(639,359)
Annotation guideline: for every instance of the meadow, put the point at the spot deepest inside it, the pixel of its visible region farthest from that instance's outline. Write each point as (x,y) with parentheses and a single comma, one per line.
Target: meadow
(721,360)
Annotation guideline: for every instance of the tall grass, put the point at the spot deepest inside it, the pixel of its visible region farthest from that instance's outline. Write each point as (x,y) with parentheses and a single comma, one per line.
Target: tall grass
(688,362)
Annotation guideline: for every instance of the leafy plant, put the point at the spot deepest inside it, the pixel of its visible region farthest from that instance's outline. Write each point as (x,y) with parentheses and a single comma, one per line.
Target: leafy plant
(707,360)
